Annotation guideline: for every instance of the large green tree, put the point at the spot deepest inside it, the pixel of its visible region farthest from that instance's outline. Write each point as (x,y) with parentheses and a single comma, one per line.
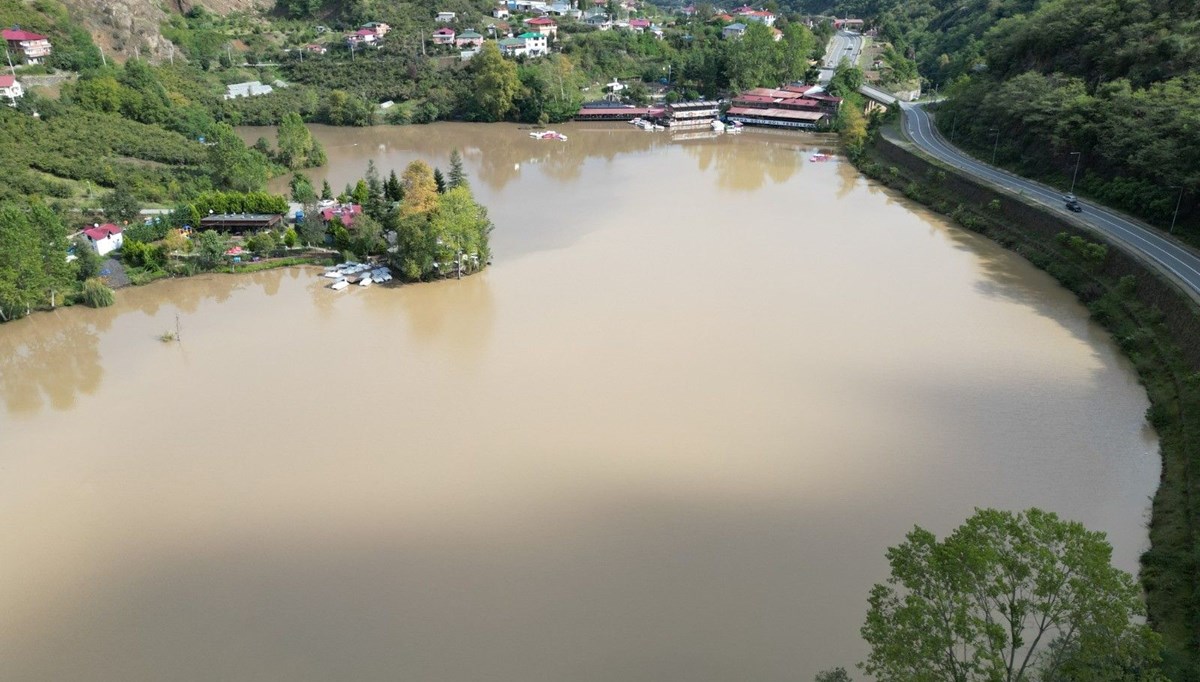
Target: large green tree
(24,283)
(494,84)
(234,165)
(1008,597)
(297,148)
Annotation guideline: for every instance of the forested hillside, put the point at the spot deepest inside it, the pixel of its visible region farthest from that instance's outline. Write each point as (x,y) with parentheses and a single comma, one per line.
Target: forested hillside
(1115,80)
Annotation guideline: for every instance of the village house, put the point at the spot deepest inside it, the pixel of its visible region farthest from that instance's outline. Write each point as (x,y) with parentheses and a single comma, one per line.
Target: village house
(316,48)
(747,13)
(535,44)
(445,17)
(468,39)
(688,11)
(379,28)
(11,88)
(639,25)
(499,28)
(363,37)
(443,36)
(105,238)
(563,9)
(734,31)
(32,47)
(543,25)
(501,12)
(599,21)
(343,212)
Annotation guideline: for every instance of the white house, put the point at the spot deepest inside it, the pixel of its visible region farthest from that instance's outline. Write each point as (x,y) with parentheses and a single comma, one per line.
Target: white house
(104,238)
(11,88)
(501,12)
(445,17)
(734,30)
(535,44)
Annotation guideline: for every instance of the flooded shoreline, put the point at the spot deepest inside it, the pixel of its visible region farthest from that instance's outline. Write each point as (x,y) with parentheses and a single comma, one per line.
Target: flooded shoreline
(658,439)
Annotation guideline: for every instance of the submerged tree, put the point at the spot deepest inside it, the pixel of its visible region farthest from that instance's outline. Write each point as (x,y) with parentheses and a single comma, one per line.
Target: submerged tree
(1008,598)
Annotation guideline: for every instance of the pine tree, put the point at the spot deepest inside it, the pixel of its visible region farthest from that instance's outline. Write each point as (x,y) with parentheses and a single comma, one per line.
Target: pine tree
(458,177)
(439,180)
(326,190)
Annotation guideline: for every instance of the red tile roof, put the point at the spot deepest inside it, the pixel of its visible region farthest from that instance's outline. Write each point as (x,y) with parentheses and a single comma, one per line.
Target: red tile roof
(346,212)
(98,232)
(7,81)
(540,21)
(778,113)
(17,34)
(642,23)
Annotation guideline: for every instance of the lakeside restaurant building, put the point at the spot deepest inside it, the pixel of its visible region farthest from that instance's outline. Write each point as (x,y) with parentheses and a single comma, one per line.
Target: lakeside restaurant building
(611,111)
(787,107)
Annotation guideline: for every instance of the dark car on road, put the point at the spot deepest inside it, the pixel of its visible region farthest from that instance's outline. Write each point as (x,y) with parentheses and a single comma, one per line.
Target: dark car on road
(1074,207)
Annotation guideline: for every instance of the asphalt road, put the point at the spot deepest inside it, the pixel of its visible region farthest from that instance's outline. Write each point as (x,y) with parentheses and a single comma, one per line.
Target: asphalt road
(1164,253)
(843,44)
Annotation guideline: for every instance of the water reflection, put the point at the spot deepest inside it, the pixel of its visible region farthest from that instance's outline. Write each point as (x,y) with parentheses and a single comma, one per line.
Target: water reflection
(50,359)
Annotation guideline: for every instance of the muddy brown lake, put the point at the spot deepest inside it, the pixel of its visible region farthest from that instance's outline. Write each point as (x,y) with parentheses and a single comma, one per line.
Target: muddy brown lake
(668,435)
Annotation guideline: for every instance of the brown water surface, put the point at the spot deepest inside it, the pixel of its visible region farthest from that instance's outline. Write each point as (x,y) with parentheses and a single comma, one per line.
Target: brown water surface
(667,436)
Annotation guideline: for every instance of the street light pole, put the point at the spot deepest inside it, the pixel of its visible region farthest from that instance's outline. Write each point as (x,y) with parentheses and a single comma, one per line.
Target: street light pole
(1078,156)
(996,144)
(1176,214)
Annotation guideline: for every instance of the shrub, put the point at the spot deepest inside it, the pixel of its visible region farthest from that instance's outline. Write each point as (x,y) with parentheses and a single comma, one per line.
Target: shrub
(96,294)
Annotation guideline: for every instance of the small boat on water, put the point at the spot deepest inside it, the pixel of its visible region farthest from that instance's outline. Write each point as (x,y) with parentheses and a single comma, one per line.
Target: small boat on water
(820,157)
(339,285)
(548,135)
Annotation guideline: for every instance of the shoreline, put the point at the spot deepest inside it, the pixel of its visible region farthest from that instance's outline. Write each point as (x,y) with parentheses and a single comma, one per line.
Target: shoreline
(1155,325)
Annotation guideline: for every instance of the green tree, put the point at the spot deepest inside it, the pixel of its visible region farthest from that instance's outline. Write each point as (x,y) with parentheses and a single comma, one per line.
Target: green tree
(458,177)
(494,84)
(439,180)
(392,188)
(754,59)
(326,190)
(847,79)
(302,190)
(312,230)
(298,9)
(291,238)
(294,141)
(833,675)
(120,205)
(1008,597)
(23,280)
(210,249)
(87,261)
(235,166)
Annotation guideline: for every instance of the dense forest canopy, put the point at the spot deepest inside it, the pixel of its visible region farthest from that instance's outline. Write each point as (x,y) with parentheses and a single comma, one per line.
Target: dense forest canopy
(1114,80)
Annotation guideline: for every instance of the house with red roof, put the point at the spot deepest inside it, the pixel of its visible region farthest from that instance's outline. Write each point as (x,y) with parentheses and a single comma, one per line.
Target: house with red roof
(344,212)
(639,25)
(543,25)
(444,36)
(363,37)
(33,47)
(11,88)
(104,238)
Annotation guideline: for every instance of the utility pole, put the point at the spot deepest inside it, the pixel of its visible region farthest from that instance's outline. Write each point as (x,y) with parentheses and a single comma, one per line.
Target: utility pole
(1078,156)
(1176,215)
(996,144)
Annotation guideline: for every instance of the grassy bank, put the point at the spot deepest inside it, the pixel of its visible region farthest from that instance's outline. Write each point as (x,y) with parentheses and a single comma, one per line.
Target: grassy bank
(1155,325)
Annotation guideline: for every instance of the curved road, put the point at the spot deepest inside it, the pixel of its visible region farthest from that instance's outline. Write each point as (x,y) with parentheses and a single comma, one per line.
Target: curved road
(1164,253)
